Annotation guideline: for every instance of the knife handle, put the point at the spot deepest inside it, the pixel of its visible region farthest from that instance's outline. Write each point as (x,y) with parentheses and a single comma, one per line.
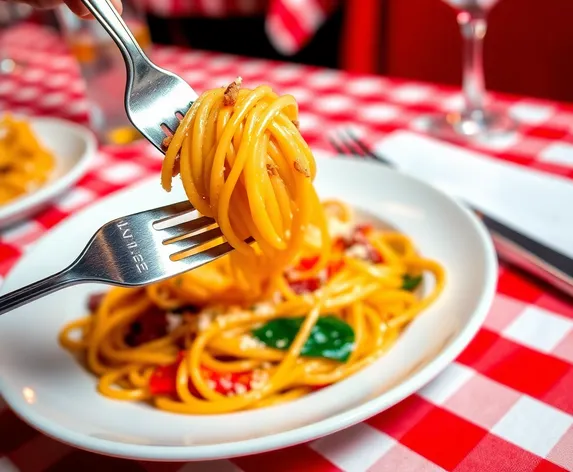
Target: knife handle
(530,255)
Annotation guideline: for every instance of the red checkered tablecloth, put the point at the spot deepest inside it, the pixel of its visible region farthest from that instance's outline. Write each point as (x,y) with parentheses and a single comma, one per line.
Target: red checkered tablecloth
(506,404)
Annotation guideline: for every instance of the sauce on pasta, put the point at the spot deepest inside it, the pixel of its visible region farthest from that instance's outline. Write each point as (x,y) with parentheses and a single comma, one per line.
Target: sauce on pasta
(314,299)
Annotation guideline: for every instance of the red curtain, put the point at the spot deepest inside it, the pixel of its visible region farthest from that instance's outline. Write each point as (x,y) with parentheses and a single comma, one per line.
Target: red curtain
(528,47)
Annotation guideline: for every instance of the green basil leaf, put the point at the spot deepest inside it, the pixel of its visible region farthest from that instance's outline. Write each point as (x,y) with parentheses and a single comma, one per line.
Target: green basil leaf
(411,282)
(330,338)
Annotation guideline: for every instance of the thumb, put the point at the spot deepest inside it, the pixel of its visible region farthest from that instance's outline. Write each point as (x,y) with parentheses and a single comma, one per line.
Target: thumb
(82,11)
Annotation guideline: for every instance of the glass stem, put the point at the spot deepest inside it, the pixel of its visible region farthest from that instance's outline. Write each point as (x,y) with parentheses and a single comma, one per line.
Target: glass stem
(473,29)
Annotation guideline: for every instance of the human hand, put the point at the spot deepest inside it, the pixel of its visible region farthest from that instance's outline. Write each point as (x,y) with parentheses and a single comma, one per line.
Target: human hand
(75,5)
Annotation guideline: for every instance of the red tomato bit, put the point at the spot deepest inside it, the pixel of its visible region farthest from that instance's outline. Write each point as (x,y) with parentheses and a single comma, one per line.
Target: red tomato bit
(163,381)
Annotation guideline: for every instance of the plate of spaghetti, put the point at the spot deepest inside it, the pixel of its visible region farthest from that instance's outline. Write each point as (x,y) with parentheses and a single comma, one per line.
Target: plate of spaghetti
(39,159)
(350,287)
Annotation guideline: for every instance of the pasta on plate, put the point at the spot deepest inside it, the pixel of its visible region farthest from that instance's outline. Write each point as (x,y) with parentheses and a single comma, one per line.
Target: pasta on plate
(25,165)
(314,299)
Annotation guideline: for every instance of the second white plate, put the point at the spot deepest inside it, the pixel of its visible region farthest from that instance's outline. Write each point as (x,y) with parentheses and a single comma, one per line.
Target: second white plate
(73,147)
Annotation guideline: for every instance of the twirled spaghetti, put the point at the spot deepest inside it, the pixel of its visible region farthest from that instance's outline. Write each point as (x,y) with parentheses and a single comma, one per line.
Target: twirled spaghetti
(25,165)
(315,299)
(243,162)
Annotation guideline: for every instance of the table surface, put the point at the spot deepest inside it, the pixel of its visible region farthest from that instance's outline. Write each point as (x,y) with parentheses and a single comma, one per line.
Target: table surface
(506,404)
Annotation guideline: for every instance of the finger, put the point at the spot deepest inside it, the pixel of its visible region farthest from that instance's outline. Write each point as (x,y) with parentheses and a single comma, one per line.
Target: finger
(118,6)
(82,11)
(78,8)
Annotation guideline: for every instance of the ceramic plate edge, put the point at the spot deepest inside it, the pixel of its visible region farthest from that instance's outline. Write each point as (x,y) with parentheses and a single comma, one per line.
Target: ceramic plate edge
(55,188)
(305,433)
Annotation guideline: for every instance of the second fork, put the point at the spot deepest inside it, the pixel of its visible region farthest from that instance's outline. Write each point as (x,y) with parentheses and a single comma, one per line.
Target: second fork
(134,250)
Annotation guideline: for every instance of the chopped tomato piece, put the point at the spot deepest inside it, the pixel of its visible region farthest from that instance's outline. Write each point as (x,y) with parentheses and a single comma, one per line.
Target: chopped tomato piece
(149,326)
(334,267)
(94,301)
(307,263)
(163,380)
(339,245)
(360,237)
(312,284)
(374,255)
(362,232)
(305,286)
(228,383)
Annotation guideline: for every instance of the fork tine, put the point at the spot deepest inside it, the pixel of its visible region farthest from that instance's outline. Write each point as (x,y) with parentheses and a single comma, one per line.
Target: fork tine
(210,254)
(163,213)
(355,139)
(188,227)
(343,145)
(367,150)
(203,257)
(172,122)
(350,143)
(184,245)
(339,149)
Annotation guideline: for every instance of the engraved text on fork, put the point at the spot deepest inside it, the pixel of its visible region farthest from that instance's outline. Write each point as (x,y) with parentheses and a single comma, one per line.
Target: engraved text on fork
(131,245)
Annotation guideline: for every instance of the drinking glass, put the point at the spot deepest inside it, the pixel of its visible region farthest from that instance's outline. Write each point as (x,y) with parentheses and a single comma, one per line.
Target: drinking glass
(103,69)
(474,119)
(10,14)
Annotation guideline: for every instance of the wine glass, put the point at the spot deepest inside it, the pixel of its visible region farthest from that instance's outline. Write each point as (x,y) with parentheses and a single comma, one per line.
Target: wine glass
(10,14)
(474,119)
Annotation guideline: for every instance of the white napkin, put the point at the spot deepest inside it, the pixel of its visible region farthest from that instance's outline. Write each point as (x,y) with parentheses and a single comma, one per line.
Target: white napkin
(538,204)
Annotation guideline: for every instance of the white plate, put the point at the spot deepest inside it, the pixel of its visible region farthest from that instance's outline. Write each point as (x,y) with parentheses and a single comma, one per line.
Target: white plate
(48,389)
(73,146)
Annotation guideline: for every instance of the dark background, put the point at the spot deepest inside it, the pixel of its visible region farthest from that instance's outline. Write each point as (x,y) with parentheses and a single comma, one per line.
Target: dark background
(247,36)
(528,47)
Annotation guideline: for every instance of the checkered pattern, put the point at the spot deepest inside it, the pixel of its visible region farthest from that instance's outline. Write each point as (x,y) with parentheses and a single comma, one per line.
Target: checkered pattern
(289,23)
(506,404)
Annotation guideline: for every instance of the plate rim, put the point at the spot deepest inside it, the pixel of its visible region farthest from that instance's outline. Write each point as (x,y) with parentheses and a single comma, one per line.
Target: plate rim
(295,435)
(51,190)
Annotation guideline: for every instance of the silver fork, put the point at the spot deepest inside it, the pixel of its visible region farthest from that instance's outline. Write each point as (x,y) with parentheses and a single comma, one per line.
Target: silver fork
(132,251)
(138,249)
(512,246)
(153,96)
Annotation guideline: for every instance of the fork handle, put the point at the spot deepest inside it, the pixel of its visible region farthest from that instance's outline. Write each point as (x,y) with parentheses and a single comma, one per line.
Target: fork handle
(36,290)
(110,19)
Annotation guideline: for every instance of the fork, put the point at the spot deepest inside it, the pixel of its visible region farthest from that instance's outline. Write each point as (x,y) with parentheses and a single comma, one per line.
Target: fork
(135,250)
(154,97)
(132,251)
(511,245)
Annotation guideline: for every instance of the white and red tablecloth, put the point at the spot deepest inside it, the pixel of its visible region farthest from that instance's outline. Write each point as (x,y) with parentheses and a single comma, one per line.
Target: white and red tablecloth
(506,404)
